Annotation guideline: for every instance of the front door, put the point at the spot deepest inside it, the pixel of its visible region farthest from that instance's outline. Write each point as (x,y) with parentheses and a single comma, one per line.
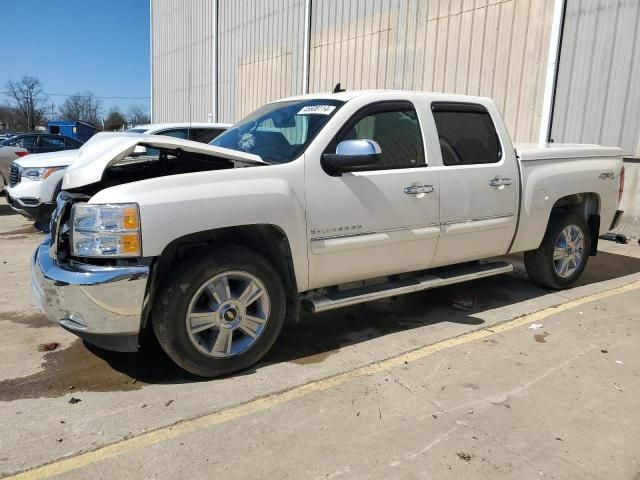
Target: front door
(478,184)
(380,221)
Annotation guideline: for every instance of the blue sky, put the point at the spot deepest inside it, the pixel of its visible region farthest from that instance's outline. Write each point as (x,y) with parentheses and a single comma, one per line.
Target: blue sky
(101,46)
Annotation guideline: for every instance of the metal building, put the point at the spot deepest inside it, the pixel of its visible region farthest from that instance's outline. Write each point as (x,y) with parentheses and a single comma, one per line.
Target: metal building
(568,70)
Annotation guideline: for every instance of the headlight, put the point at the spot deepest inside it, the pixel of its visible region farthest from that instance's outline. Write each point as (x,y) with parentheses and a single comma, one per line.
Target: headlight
(105,230)
(39,173)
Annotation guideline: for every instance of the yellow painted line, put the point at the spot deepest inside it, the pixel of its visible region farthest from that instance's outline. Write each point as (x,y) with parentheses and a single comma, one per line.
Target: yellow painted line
(162,434)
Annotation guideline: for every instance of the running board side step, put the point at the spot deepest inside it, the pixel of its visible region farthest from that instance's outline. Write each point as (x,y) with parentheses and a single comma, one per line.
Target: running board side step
(345,298)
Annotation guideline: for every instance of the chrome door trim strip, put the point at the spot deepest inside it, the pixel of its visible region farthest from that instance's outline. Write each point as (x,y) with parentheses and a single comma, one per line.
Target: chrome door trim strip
(479,219)
(389,230)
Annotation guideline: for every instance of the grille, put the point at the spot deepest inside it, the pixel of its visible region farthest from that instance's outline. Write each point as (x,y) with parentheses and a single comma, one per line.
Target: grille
(14,175)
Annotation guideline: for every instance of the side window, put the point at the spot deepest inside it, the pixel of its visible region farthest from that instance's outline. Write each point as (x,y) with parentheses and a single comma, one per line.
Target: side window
(26,142)
(69,144)
(51,142)
(176,132)
(396,129)
(466,133)
(205,135)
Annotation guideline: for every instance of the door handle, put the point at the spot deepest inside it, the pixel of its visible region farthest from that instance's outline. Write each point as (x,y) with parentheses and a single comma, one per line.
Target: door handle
(418,189)
(500,181)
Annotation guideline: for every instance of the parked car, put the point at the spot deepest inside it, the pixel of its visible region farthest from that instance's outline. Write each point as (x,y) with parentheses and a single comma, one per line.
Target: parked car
(37,179)
(28,143)
(317,201)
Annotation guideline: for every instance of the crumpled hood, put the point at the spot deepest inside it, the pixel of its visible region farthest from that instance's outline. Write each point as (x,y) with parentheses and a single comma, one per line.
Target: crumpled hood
(47,160)
(106,149)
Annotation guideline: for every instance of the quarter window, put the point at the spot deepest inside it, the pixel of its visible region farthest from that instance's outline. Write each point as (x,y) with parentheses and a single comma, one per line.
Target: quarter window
(466,133)
(396,129)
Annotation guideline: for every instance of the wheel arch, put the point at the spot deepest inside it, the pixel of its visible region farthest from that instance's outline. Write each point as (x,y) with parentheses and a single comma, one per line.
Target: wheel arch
(587,205)
(268,240)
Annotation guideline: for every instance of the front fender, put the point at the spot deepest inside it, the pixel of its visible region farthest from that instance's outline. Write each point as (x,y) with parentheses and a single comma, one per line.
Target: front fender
(176,206)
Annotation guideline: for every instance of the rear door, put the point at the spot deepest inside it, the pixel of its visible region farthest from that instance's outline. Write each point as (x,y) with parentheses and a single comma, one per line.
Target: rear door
(372,223)
(479,184)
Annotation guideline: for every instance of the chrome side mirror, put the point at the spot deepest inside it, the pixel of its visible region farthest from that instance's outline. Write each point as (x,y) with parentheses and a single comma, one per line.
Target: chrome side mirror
(352,155)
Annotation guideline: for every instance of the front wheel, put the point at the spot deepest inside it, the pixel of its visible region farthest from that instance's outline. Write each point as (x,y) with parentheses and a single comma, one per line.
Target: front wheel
(221,313)
(563,253)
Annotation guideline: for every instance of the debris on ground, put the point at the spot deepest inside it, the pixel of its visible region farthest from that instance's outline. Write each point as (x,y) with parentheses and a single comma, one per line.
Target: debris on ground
(464,456)
(615,237)
(464,303)
(619,362)
(168,402)
(74,400)
(535,326)
(48,347)
(604,351)
(559,439)
(540,337)
(617,387)
(71,387)
(59,440)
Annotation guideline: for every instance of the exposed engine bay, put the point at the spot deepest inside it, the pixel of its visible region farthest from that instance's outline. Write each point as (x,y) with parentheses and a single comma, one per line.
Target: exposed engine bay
(136,167)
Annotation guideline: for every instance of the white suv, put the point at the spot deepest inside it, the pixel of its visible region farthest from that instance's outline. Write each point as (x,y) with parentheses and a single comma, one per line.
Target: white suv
(36,180)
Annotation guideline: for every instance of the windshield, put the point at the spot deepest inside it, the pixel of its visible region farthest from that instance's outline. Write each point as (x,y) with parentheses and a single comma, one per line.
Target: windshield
(279,132)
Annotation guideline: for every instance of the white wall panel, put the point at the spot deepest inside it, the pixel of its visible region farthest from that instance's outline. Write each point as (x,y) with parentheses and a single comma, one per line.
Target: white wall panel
(182,59)
(598,90)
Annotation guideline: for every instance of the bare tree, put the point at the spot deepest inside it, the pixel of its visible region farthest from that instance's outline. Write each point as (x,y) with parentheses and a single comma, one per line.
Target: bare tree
(138,115)
(81,106)
(10,119)
(29,100)
(115,120)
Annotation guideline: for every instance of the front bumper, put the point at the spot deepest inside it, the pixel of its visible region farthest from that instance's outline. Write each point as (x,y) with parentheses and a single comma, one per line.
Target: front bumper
(102,305)
(39,212)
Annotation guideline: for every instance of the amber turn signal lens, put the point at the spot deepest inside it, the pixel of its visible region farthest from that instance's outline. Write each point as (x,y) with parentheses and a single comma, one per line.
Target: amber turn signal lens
(130,218)
(130,243)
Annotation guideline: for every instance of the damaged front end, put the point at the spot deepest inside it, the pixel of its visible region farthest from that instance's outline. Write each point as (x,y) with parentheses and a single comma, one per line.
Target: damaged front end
(81,279)
(114,159)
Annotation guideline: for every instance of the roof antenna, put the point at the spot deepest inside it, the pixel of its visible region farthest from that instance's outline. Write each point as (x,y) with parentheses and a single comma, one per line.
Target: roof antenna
(338,88)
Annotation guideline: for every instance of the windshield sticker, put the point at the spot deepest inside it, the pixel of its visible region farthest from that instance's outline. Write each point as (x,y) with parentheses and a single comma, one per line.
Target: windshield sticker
(317,110)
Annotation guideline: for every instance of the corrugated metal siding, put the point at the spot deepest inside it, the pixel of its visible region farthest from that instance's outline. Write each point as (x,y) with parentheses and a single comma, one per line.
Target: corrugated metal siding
(261,54)
(598,89)
(182,60)
(495,48)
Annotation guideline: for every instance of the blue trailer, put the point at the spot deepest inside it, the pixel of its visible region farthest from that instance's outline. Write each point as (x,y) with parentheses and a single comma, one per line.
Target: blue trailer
(77,129)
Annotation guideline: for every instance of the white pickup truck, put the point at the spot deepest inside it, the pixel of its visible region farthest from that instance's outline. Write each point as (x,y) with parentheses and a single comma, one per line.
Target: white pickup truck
(317,201)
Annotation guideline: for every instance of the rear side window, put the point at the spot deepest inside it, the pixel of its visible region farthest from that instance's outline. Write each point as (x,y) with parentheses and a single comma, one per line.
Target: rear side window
(466,133)
(51,142)
(26,142)
(204,135)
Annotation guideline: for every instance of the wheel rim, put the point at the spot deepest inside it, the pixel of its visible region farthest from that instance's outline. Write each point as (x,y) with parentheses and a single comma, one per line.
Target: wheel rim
(568,254)
(228,314)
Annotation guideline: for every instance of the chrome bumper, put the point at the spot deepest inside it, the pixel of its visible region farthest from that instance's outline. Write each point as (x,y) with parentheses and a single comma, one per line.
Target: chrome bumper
(92,301)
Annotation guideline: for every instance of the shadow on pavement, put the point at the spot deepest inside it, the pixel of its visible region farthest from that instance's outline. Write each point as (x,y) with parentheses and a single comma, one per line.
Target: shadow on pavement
(311,340)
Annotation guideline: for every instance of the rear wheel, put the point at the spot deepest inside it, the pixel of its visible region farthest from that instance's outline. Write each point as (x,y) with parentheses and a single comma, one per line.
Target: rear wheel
(220,313)
(563,253)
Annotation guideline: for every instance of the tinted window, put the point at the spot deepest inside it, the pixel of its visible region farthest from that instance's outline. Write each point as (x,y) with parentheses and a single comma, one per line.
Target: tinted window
(70,143)
(396,130)
(51,142)
(467,135)
(25,142)
(205,135)
(176,132)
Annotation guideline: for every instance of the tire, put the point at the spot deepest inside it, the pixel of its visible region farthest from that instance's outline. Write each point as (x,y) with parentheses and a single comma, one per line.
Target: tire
(186,292)
(548,272)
